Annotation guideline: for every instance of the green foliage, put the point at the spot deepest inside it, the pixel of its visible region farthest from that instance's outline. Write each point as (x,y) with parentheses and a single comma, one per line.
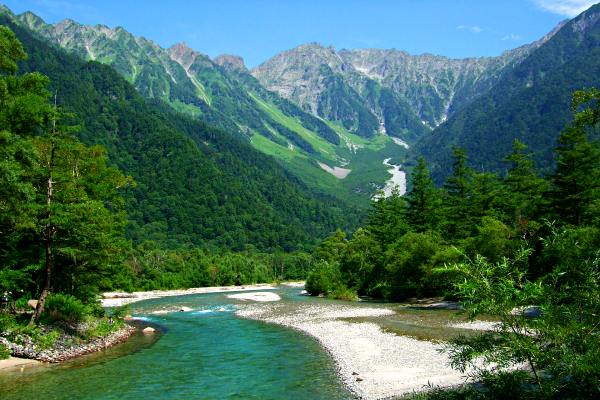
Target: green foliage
(196,185)
(560,346)
(4,352)
(323,278)
(343,293)
(65,308)
(409,263)
(101,327)
(46,340)
(423,200)
(11,51)
(7,322)
(493,240)
(576,182)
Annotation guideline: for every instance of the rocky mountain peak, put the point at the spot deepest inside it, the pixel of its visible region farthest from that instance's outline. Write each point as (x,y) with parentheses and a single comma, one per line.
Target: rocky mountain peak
(587,19)
(231,62)
(183,54)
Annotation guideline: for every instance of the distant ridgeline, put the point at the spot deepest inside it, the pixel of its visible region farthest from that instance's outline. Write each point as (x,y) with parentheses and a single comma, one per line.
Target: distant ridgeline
(195,184)
(529,103)
(308,107)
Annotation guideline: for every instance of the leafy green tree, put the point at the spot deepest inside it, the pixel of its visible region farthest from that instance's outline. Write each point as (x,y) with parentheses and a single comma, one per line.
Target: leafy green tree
(332,248)
(493,240)
(24,111)
(57,194)
(409,263)
(324,278)
(575,190)
(560,345)
(423,200)
(361,261)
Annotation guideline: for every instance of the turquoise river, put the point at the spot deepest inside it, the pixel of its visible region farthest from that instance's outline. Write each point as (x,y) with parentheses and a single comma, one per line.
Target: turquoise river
(207,353)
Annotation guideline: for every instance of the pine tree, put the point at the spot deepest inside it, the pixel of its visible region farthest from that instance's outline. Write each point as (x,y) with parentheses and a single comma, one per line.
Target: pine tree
(575,188)
(524,189)
(423,200)
(458,197)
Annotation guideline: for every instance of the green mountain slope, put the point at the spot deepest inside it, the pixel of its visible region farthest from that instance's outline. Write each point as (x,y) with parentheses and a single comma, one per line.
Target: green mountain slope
(195,184)
(530,103)
(222,93)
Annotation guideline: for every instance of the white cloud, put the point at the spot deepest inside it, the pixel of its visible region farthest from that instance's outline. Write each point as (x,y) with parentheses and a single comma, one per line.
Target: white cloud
(472,29)
(569,8)
(511,36)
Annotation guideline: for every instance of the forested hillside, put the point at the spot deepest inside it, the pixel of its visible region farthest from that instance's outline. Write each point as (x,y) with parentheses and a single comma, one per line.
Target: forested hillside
(222,93)
(527,104)
(518,248)
(194,184)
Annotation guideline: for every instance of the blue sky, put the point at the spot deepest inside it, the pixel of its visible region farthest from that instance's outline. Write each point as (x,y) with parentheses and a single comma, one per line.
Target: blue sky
(259,29)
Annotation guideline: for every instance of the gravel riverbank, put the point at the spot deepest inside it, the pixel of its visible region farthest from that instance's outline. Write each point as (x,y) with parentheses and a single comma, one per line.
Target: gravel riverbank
(117,299)
(373,364)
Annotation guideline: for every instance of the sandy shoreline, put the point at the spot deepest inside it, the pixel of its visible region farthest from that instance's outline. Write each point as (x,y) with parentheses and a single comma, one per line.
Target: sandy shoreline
(17,363)
(372,363)
(117,299)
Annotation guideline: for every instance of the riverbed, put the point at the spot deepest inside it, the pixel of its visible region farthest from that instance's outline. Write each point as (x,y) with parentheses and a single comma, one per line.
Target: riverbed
(209,352)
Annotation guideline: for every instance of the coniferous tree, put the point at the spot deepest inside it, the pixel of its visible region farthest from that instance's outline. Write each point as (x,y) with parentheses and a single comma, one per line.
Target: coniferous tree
(423,200)
(576,182)
(457,198)
(387,221)
(524,189)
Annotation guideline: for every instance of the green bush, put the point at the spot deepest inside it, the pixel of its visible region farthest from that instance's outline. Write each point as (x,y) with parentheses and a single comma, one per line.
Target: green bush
(323,278)
(7,322)
(64,308)
(102,328)
(45,340)
(343,293)
(4,352)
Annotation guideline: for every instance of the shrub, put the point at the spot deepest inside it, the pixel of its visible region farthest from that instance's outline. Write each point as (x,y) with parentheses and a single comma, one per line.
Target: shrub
(64,308)
(45,340)
(323,278)
(7,322)
(102,328)
(343,293)
(4,352)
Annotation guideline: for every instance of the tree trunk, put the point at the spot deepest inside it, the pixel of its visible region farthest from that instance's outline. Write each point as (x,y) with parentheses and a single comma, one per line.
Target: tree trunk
(49,234)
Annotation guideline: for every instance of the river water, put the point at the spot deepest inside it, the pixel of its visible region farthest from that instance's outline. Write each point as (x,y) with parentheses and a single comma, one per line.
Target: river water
(207,353)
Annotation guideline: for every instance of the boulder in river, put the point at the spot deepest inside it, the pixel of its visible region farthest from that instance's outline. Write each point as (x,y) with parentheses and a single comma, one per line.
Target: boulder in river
(148,330)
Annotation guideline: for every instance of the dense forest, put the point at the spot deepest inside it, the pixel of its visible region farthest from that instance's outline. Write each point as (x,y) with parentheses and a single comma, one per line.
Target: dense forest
(498,244)
(195,185)
(64,204)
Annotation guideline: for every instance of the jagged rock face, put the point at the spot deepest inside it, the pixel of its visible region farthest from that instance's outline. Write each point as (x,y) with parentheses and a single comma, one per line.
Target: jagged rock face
(231,63)
(299,74)
(139,60)
(433,86)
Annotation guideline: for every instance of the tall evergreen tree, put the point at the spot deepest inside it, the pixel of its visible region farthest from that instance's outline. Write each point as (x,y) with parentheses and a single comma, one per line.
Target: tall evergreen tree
(423,200)
(457,202)
(524,189)
(576,181)
(387,220)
